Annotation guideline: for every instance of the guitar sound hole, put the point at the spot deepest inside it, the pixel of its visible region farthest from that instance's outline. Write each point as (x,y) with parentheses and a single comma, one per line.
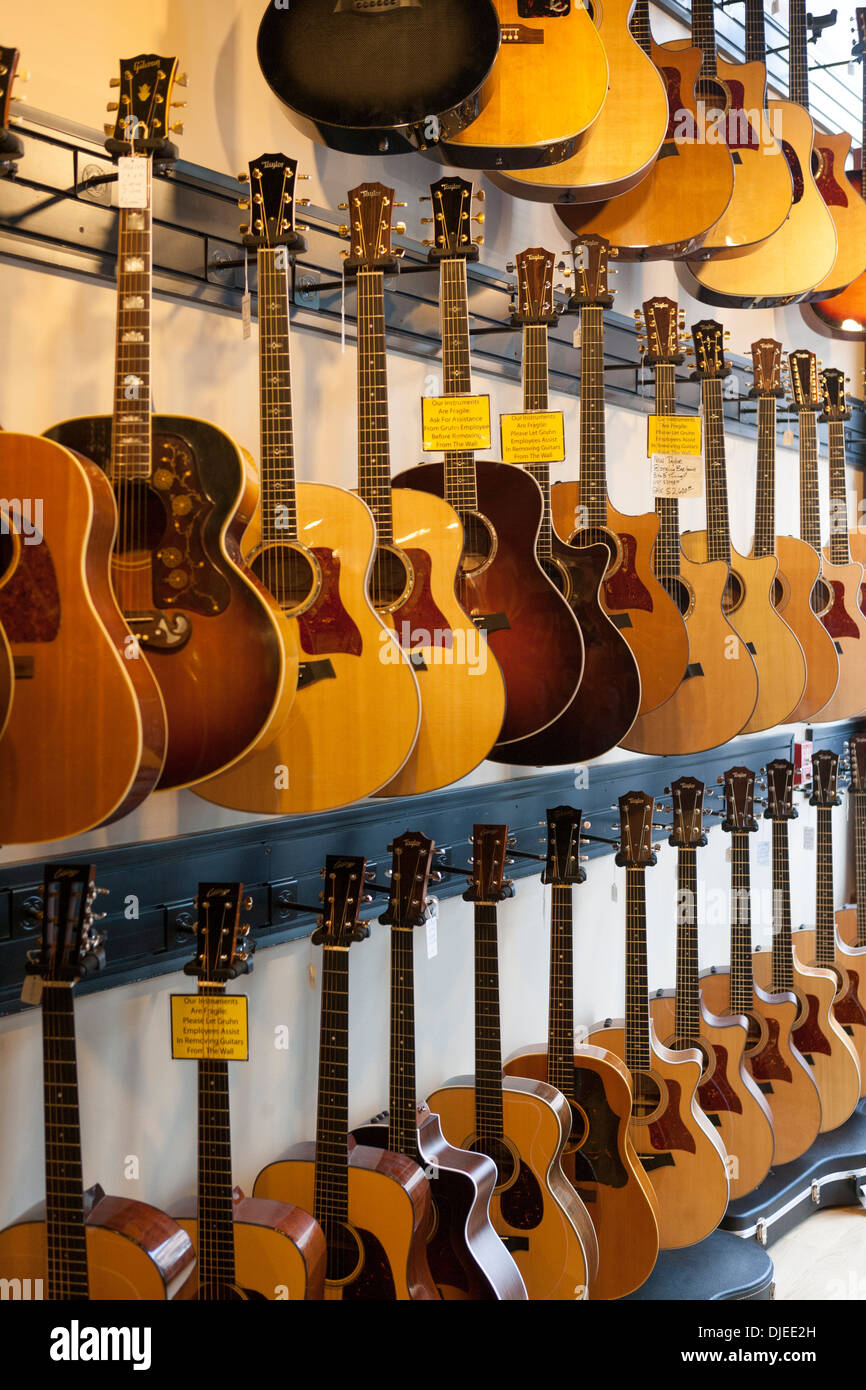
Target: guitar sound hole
(215,1292)
(141,518)
(7,550)
(345,1252)
(821,598)
(289,573)
(681,596)
(647,1095)
(733,595)
(678,1044)
(579,1127)
(713,94)
(599,535)
(391,578)
(755,1034)
(479,543)
(777,593)
(502,1157)
(557,575)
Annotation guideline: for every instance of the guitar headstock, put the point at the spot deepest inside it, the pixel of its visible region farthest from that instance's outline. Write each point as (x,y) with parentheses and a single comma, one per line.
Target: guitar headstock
(223,947)
(636,813)
(767,369)
(739,800)
(590,255)
(860,42)
(11,147)
(411,855)
(489,850)
(708,339)
(803,376)
(835,400)
(535,269)
(342,897)
(70,945)
(451,198)
(825,778)
(144,98)
(687,802)
(660,330)
(857,758)
(780,790)
(370,207)
(563,847)
(272,180)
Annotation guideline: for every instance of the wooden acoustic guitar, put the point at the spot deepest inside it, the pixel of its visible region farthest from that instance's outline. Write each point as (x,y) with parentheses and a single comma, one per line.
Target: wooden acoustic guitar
(81,1245)
(681,1152)
(11,146)
(824,946)
(767,638)
(828,1050)
(466,1257)
(373,1205)
(851,921)
(599,1160)
(185,493)
(652,221)
(624,143)
(247,1248)
(728,1096)
(502,582)
(522,1124)
(845,546)
(545,91)
(772,1058)
(717,696)
(420,541)
(311,545)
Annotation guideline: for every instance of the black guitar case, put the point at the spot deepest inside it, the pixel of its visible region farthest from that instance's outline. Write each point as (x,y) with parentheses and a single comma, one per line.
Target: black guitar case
(721,1267)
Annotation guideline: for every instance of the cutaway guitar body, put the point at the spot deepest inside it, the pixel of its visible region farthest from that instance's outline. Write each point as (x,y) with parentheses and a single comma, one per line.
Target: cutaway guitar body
(849,1002)
(534,1209)
(847,210)
(846,922)
(278,1253)
(837,603)
(681,1152)
(799,568)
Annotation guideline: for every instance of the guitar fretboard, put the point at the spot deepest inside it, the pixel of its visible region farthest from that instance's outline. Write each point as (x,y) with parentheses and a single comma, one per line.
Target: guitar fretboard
(402,1131)
(704,34)
(331,1200)
(840,549)
(593,470)
(860,862)
(825,918)
(718,524)
(756,42)
(810,513)
(560,1017)
(640,26)
(64,1203)
(488,1045)
(667,551)
(216,1241)
(687,1005)
(460,485)
(374,453)
(765,491)
(535,397)
(637,1044)
(798,61)
(783,963)
(278,502)
(742,974)
(131,428)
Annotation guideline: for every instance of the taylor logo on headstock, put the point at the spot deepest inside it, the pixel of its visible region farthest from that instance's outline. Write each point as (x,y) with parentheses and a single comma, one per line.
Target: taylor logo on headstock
(780,791)
(687,801)
(708,338)
(590,255)
(636,814)
(836,405)
(535,268)
(857,756)
(563,847)
(411,855)
(660,331)
(370,207)
(825,776)
(803,376)
(451,200)
(767,368)
(739,800)
(272,180)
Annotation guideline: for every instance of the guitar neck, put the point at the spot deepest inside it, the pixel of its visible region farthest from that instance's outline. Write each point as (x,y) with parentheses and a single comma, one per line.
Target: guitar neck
(756,42)
(810,512)
(278,502)
(535,397)
(216,1244)
(374,453)
(64,1186)
(640,26)
(461,489)
(331,1200)
(560,1016)
(783,963)
(840,549)
(798,60)
(667,551)
(593,475)
(688,995)
(718,524)
(825,918)
(637,1037)
(863,127)
(131,430)
(402,1127)
(765,491)
(742,974)
(488,1044)
(704,34)
(860,862)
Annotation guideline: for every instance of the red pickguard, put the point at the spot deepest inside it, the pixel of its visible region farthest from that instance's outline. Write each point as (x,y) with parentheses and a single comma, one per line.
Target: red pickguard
(30,601)
(715,1093)
(808,1037)
(420,611)
(624,589)
(769,1064)
(836,619)
(326,626)
(736,121)
(831,192)
(796,169)
(669,1132)
(848,1009)
(672,79)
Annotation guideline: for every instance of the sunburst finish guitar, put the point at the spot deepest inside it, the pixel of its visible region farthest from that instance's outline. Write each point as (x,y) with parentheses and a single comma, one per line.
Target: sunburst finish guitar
(851,921)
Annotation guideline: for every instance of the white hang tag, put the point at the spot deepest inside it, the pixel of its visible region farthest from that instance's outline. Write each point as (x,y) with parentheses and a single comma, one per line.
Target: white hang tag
(775,7)
(311,974)
(677,475)
(575,337)
(729,854)
(132,181)
(788,437)
(432,933)
(808,837)
(614,893)
(31,990)
(763,855)
(246,303)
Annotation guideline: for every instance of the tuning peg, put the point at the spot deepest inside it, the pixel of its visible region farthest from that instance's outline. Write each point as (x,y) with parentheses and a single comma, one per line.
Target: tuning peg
(480,195)
(114,82)
(244,229)
(177,103)
(112,105)
(478,241)
(401,205)
(303,202)
(300,226)
(510,266)
(244,928)
(342,207)
(479,217)
(425,221)
(427,242)
(108,128)
(181,80)
(177,128)
(656,849)
(244,177)
(366,897)
(425,198)
(243,204)
(342,230)
(399,228)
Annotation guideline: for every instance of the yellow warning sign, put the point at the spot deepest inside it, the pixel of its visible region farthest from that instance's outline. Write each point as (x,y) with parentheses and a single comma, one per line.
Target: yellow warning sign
(533,436)
(673,434)
(207,1027)
(455,424)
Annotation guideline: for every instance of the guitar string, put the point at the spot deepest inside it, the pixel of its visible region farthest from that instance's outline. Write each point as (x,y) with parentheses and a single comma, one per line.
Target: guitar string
(742,986)
(715,468)
(593,479)
(535,398)
(687,1013)
(765,485)
(461,488)
(667,552)
(560,1028)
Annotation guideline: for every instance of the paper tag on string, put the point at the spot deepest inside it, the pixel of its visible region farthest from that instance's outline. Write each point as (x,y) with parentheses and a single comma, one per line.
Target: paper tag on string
(575,337)
(31,990)
(132,181)
(432,925)
(788,437)
(762,856)
(246,306)
(674,448)
(808,837)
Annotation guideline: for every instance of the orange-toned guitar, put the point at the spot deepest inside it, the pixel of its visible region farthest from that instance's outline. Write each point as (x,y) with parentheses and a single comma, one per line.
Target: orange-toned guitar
(851,921)
(600,1160)
(727,1094)
(845,545)
(81,1245)
(680,1150)
(11,148)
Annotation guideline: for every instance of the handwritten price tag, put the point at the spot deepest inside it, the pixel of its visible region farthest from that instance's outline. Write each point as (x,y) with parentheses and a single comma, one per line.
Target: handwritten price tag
(132,181)
(208,1028)
(455,424)
(674,449)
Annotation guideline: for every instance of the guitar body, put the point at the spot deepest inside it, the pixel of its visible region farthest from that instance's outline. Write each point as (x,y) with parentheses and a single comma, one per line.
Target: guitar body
(380,1254)
(849,1002)
(651,623)
(279,1252)
(819,1038)
(718,695)
(602,1166)
(533,633)
(846,925)
(534,109)
(838,606)
(328,619)
(847,307)
(798,572)
(625,140)
(69,645)
(684,1158)
(726,1094)
(466,1257)
(198,606)
(652,221)
(134,1251)
(847,209)
(534,1209)
(777,654)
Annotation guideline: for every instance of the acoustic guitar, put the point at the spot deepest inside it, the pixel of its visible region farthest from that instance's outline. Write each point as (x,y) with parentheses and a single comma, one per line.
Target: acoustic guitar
(624,143)
(652,221)
(727,1095)
(681,1152)
(81,1245)
(824,946)
(851,921)
(545,91)
(420,541)
(772,1058)
(845,546)
(522,1124)
(767,638)
(466,1256)
(599,1160)
(378,78)
(503,581)
(311,546)
(828,1050)
(799,564)
(717,696)
(185,493)
(11,146)
(373,1205)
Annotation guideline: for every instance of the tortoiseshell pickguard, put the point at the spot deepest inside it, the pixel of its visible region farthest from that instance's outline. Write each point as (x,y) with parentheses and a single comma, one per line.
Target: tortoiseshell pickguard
(669,1132)
(829,188)
(30,600)
(624,589)
(848,1009)
(716,1094)
(836,620)
(522,1204)
(768,1064)
(808,1037)
(326,626)
(420,610)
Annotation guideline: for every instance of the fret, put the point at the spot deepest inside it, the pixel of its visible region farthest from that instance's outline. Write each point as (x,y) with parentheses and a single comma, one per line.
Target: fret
(742,973)
(215,1207)
(840,549)
(810,515)
(131,428)
(460,484)
(687,1003)
(825,918)
(666,558)
(67,1275)
(704,35)
(593,476)
(488,1045)
(765,491)
(756,43)
(798,62)
(535,397)
(637,1043)
(640,26)
(560,1016)
(374,455)
(860,862)
(783,964)
(718,525)
(278,502)
(331,1194)
(402,1096)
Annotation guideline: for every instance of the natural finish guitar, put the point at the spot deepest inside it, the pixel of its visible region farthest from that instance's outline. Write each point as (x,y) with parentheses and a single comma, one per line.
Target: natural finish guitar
(546,90)
(466,1257)
(600,1160)
(81,1245)
(523,1125)
(11,147)
(677,1145)
(727,1094)
(502,582)
(185,493)
(652,221)
(824,946)
(624,143)
(373,1205)
(851,921)
(781,1073)
(311,546)
(777,654)
(846,548)
(828,1050)
(717,695)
